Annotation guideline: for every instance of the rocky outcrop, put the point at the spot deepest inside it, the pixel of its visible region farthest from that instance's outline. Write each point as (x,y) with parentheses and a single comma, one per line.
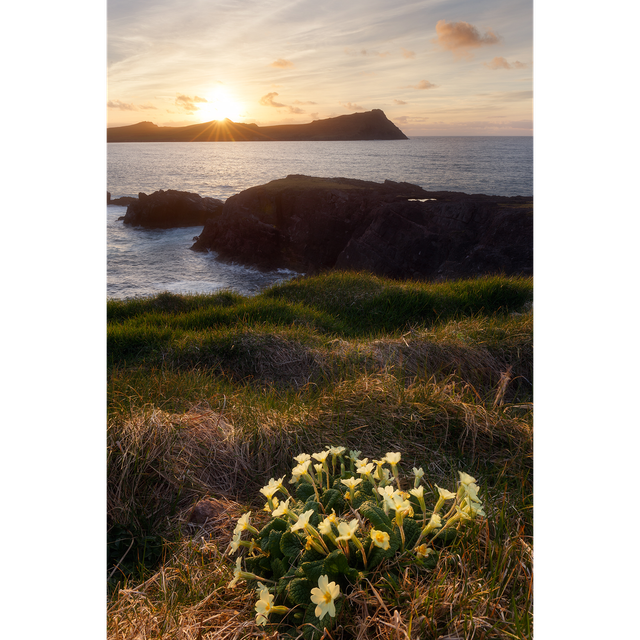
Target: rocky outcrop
(394,229)
(123,201)
(166,209)
(369,125)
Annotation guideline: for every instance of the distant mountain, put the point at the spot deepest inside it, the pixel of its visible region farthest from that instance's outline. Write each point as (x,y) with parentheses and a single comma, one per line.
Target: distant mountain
(370,125)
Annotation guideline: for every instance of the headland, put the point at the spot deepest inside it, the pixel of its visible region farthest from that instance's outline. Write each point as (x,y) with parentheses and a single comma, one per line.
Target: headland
(370,125)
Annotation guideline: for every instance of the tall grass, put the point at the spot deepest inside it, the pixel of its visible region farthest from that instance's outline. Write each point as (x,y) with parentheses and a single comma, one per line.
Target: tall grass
(210,396)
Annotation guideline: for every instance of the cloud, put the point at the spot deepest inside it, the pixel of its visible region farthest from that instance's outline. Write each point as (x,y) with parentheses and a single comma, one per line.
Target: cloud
(367,52)
(423,84)
(460,37)
(268,101)
(352,107)
(501,63)
(116,104)
(408,54)
(399,102)
(123,106)
(188,104)
(281,63)
(307,102)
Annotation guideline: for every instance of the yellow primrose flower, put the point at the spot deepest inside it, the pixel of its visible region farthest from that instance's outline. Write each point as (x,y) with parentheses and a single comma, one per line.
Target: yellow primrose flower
(282,509)
(321,457)
(336,451)
(347,530)
(269,490)
(418,492)
(445,494)
(418,473)
(355,455)
(265,606)
(365,469)
(244,524)
(302,457)
(380,539)
(325,527)
(324,596)
(300,470)
(435,522)
(361,463)
(239,574)
(387,496)
(423,551)
(351,483)
(465,478)
(303,521)
(392,458)
(234,545)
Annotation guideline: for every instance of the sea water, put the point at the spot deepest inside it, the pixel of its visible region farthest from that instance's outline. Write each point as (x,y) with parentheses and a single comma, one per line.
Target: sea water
(143,262)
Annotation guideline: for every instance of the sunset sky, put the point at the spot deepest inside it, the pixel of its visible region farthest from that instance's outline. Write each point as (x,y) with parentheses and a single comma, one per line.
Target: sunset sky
(435,67)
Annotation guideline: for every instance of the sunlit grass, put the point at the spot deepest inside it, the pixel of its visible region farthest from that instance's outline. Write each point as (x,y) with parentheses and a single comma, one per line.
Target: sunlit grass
(213,395)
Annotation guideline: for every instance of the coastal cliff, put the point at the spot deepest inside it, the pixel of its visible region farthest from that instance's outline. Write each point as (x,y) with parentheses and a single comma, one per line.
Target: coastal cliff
(370,125)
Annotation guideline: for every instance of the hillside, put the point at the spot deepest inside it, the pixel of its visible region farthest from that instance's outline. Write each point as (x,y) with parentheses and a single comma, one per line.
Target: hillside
(370,125)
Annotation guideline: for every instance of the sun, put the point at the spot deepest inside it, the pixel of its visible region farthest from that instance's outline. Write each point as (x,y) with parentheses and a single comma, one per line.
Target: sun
(220,104)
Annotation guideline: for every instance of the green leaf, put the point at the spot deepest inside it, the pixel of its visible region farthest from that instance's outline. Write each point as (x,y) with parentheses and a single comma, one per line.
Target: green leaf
(335,564)
(272,543)
(277,523)
(299,591)
(332,499)
(376,516)
(278,567)
(304,490)
(313,570)
(412,530)
(290,544)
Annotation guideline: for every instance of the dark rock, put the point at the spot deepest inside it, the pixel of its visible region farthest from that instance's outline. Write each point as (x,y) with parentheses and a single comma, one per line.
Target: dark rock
(166,209)
(124,201)
(393,229)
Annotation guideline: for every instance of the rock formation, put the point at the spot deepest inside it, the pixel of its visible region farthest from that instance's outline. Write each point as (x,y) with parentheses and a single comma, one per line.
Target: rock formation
(370,125)
(166,209)
(395,229)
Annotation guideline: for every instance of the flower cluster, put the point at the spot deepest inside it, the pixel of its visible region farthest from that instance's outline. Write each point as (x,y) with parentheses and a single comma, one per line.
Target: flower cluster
(344,517)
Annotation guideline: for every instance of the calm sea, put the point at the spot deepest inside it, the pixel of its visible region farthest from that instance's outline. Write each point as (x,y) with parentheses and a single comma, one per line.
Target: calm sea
(144,262)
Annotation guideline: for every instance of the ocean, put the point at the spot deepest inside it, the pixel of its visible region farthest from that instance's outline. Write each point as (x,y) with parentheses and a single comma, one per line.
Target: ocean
(144,262)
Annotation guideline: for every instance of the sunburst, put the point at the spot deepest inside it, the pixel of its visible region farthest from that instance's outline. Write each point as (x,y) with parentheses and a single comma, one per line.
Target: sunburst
(220,104)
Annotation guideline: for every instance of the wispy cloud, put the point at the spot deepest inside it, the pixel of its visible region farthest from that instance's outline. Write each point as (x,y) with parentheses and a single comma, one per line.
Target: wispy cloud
(124,106)
(423,84)
(460,37)
(352,107)
(116,104)
(408,54)
(281,63)
(189,104)
(268,100)
(367,52)
(501,63)
(400,102)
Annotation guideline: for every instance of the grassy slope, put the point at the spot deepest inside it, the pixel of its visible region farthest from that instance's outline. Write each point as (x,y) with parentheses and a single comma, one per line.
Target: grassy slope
(213,395)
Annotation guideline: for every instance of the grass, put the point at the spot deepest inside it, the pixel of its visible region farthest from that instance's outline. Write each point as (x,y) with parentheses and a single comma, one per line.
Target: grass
(210,396)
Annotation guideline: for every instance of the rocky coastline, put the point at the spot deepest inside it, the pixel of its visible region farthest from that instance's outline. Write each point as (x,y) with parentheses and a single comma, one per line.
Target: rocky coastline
(310,225)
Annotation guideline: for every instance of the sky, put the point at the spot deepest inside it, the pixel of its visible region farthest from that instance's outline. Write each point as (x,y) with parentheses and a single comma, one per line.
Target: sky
(435,67)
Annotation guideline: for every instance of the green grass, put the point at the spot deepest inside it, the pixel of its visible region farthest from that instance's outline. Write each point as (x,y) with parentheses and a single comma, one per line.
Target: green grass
(213,395)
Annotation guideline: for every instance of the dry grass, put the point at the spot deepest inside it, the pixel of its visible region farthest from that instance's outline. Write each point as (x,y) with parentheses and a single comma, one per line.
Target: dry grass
(239,401)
